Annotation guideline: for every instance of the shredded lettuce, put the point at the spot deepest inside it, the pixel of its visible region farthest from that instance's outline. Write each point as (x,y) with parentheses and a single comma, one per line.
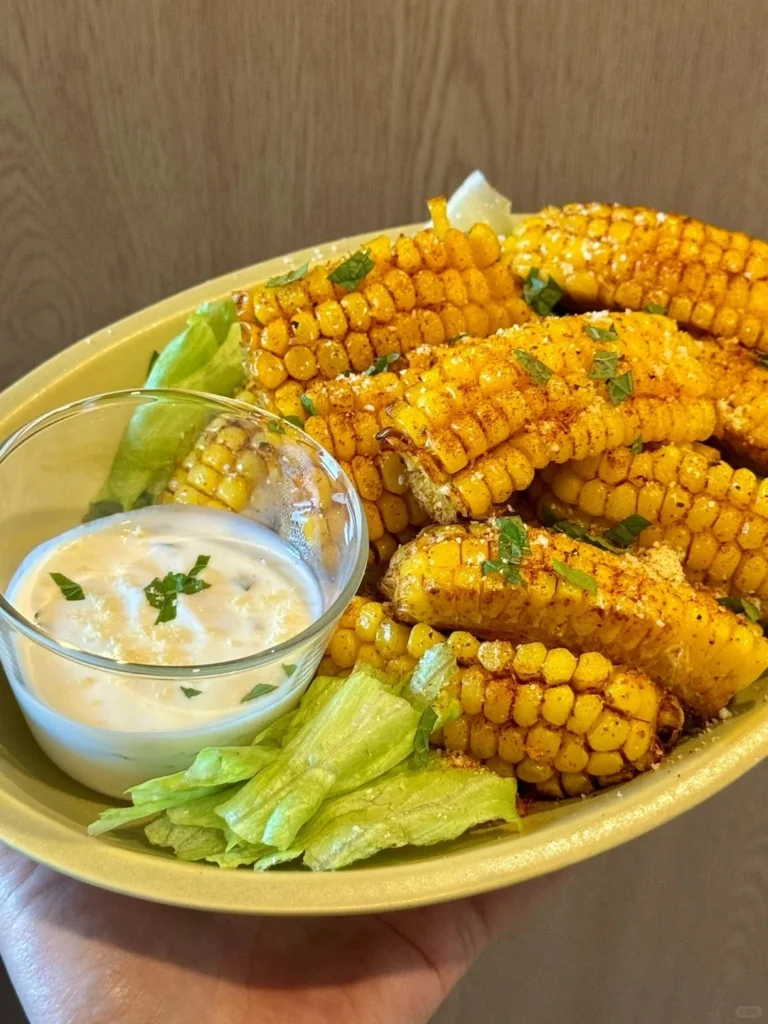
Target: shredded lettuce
(188,843)
(361,732)
(404,807)
(213,766)
(117,817)
(206,356)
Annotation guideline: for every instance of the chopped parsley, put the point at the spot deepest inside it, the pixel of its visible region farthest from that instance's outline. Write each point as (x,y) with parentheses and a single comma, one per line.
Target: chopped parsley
(538,372)
(163,593)
(297,421)
(602,333)
(308,405)
(579,579)
(513,546)
(616,540)
(72,591)
(761,358)
(424,730)
(382,364)
(275,427)
(353,271)
(621,388)
(457,337)
(655,308)
(604,365)
(190,691)
(289,278)
(637,445)
(740,604)
(258,691)
(541,293)
(288,669)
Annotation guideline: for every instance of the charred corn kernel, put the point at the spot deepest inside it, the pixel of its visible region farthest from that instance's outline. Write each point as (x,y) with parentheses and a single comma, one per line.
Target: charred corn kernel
(558,666)
(698,505)
(476,425)
(465,646)
(529,660)
(617,256)
(369,618)
(506,719)
(641,605)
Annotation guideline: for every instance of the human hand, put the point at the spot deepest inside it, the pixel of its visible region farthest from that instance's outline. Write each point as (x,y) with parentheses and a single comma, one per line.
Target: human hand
(80,955)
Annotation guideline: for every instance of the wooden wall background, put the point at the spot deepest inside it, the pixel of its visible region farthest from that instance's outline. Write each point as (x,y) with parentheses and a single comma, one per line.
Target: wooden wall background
(146,145)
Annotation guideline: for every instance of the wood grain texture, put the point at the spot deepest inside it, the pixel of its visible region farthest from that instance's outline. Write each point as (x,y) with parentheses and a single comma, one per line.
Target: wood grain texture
(148,144)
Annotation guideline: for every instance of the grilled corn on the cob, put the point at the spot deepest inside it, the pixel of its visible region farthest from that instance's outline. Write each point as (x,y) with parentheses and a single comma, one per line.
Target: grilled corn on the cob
(414,291)
(550,718)
(639,610)
(476,424)
(623,257)
(740,384)
(714,517)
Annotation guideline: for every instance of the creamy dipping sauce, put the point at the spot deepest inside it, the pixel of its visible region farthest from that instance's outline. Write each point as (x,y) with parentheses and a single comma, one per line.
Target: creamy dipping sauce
(259,595)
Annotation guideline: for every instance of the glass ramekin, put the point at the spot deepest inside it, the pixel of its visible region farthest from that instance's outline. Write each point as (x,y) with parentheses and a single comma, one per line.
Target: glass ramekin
(54,468)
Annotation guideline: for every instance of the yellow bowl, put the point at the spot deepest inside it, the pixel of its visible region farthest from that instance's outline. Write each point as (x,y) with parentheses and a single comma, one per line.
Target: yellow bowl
(45,814)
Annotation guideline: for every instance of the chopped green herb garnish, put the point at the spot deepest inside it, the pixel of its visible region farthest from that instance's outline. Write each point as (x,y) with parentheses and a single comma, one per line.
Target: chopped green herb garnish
(382,364)
(352,272)
(513,545)
(637,445)
(457,337)
(297,421)
(289,278)
(201,562)
(258,691)
(621,388)
(655,308)
(288,669)
(152,360)
(740,604)
(275,427)
(624,533)
(602,333)
(604,365)
(579,579)
(761,358)
(162,593)
(541,293)
(424,730)
(190,691)
(538,372)
(100,509)
(72,591)
(308,405)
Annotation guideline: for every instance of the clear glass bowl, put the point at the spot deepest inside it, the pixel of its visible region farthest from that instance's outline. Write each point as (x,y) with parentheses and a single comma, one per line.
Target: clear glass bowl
(53,471)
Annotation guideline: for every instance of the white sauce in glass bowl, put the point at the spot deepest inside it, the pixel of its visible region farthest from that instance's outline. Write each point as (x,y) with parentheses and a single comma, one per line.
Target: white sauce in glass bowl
(259,595)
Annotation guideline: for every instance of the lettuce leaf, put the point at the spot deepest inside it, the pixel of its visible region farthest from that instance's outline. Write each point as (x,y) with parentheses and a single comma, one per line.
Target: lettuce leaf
(361,732)
(186,842)
(207,357)
(213,766)
(117,817)
(404,807)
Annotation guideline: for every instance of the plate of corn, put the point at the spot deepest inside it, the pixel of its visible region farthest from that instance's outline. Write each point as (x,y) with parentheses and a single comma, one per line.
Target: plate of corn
(556,426)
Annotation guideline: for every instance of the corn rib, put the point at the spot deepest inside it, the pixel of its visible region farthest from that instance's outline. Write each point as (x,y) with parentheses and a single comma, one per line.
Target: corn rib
(623,257)
(560,722)
(642,611)
(476,424)
(714,517)
(416,291)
